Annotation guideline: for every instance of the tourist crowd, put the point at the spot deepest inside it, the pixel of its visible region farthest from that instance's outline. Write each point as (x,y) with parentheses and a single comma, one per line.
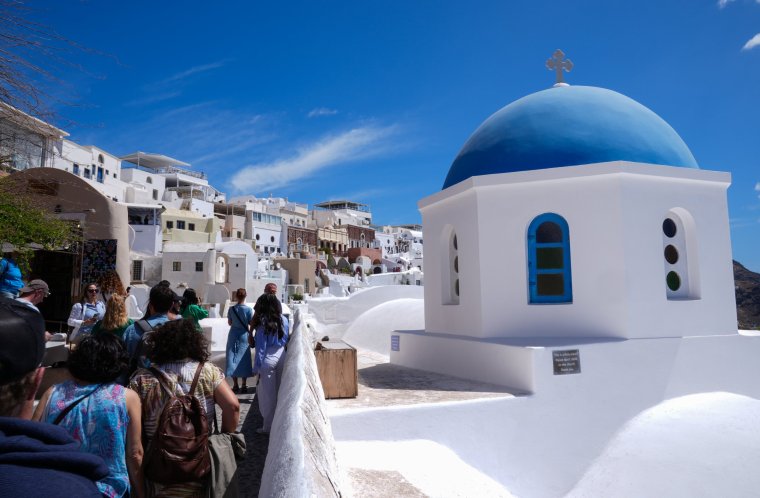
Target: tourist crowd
(138,416)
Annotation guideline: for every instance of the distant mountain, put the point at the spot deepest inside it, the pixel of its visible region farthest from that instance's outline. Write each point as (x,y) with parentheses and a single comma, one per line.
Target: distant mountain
(747,297)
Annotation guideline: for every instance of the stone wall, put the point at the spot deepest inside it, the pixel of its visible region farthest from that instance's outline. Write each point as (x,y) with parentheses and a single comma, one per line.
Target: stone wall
(301,459)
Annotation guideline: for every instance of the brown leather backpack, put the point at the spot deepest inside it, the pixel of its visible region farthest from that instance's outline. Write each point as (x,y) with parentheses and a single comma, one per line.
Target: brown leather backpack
(179,449)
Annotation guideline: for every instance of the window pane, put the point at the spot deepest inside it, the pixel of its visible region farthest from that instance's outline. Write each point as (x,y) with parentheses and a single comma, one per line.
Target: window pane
(669,228)
(673,281)
(550,284)
(548,231)
(549,258)
(671,254)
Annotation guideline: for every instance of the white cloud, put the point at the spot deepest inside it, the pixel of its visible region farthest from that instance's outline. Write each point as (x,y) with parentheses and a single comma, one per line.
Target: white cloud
(152,99)
(754,42)
(193,70)
(757,187)
(321,111)
(723,3)
(354,144)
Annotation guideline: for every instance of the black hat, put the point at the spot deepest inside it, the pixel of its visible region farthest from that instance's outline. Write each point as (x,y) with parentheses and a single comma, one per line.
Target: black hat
(22,340)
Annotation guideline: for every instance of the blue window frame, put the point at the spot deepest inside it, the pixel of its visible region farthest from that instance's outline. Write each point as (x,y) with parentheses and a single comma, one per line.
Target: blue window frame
(549,276)
(76,169)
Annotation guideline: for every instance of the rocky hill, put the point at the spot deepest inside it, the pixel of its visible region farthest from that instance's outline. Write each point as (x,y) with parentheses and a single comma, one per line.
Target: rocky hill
(747,297)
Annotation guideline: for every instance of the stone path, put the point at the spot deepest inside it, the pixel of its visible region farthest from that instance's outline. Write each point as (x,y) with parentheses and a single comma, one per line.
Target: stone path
(251,468)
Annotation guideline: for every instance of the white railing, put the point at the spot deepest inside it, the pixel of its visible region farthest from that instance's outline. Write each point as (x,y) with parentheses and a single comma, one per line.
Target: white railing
(301,459)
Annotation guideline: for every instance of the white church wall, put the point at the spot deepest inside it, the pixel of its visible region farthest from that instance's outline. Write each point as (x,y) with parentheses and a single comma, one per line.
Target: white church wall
(614,213)
(458,212)
(505,306)
(711,309)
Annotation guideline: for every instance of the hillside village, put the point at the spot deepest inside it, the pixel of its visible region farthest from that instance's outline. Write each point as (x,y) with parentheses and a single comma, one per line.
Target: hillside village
(151,217)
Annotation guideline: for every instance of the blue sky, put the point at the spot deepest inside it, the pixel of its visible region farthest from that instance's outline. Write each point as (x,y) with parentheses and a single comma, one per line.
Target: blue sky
(372,100)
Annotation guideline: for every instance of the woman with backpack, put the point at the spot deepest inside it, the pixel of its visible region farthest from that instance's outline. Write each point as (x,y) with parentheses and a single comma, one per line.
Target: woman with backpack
(238,352)
(104,417)
(179,360)
(271,331)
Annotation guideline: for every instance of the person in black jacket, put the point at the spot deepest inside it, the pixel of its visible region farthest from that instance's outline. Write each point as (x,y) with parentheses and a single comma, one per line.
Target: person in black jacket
(36,459)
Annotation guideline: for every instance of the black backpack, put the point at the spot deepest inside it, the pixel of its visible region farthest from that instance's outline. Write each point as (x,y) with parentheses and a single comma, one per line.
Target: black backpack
(179,449)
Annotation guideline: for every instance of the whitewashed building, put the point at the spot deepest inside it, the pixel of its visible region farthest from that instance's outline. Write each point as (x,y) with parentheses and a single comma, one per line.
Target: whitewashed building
(572,215)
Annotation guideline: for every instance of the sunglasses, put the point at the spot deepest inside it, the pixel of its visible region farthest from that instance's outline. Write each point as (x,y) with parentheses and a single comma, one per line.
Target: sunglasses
(92,290)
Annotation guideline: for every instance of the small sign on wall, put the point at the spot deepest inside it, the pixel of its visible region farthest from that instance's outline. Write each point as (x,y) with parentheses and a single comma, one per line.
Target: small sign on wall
(566,362)
(395,343)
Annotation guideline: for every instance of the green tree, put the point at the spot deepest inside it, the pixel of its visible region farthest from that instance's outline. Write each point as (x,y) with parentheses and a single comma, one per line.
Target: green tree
(27,226)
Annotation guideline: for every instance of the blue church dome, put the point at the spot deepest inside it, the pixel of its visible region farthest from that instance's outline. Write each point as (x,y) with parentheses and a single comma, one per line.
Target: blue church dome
(568,126)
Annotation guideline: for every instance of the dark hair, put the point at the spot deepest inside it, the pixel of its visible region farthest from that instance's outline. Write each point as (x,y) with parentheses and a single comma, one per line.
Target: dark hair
(161,297)
(270,311)
(84,291)
(176,340)
(98,358)
(240,294)
(164,283)
(188,297)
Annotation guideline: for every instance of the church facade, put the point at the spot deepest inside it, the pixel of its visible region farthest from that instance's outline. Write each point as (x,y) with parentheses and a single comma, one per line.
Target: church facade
(572,216)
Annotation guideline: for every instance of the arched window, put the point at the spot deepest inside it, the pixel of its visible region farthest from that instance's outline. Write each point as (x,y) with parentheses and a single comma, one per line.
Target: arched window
(149,180)
(678,242)
(450,263)
(101,160)
(549,276)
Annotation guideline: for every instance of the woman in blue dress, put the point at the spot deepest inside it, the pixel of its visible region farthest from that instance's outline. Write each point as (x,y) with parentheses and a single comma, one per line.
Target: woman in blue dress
(238,353)
(272,330)
(103,416)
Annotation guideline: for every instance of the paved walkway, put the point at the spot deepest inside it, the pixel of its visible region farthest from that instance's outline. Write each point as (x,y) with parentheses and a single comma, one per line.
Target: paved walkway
(251,468)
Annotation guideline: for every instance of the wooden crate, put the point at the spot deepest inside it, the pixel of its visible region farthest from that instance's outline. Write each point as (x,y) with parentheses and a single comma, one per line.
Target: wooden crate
(336,363)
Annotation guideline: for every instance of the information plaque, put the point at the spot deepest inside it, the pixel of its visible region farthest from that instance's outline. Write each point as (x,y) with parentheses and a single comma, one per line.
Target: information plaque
(395,343)
(567,362)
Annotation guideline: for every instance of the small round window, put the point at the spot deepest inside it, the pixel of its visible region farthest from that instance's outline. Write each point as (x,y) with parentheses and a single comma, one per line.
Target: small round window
(671,254)
(258,236)
(669,228)
(456,287)
(456,264)
(271,238)
(455,242)
(673,281)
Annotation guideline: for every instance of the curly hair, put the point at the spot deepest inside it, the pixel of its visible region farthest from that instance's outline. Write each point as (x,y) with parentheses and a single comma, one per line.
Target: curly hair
(98,358)
(176,340)
(110,283)
(116,313)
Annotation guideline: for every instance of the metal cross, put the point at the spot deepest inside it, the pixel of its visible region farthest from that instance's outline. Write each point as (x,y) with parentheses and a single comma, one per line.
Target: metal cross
(558,63)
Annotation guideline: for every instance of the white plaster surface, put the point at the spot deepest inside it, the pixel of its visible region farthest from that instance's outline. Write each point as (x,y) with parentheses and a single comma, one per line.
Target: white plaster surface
(443,474)
(703,445)
(301,456)
(542,445)
(370,331)
(335,314)
(616,250)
